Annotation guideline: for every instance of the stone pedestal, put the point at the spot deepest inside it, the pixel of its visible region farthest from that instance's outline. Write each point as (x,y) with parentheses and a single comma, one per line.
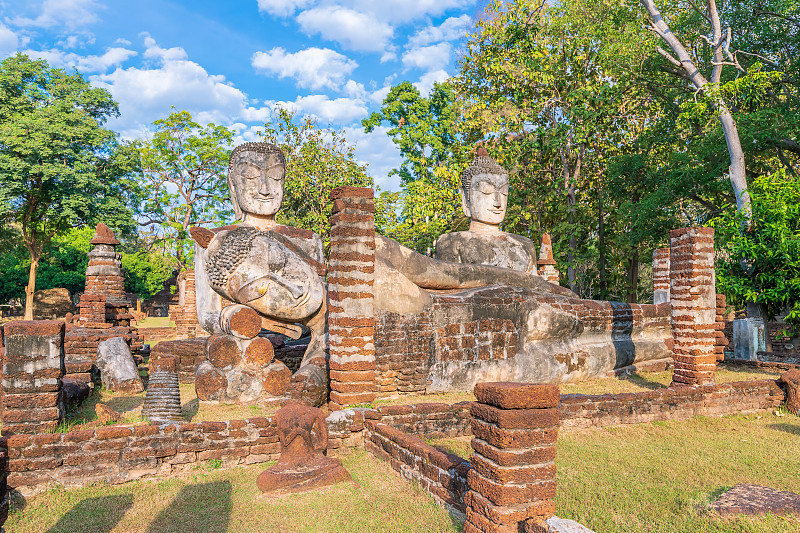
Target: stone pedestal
(748,338)
(32,370)
(162,402)
(512,484)
(694,304)
(351,317)
(661,276)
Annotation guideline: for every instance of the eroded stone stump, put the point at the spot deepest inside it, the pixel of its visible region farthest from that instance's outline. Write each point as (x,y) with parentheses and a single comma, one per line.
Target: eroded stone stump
(302,465)
(162,402)
(512,484)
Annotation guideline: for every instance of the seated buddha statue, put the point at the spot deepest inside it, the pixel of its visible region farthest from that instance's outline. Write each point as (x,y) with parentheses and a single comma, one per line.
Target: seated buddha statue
(484,197)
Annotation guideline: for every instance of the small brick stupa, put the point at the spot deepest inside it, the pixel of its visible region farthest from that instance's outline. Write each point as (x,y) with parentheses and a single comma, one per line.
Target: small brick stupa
(546,263)
(105,311)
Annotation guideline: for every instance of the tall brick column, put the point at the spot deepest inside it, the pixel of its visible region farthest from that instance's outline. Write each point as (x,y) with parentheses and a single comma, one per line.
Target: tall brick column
(351,318)
(513,481)
(32,371)
(661,276)
(694,305)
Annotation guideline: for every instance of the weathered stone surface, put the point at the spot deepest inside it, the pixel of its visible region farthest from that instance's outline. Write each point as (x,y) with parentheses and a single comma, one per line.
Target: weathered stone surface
(105,414)
(745,499)
(259,352)
(302,466)
(210,383)
(118,371)
(276,382)
(162,403)
(792,381)
(223,351)
(518,395)
(74,392)
(52,303)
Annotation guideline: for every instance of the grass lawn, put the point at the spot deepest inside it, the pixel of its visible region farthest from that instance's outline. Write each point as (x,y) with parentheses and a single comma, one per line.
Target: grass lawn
(228,500)
(660,477)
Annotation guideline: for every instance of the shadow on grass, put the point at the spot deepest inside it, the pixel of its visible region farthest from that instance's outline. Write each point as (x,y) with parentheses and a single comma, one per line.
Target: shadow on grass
(94,515)
(787,428)
(638,380)
(203,507)
(189,409)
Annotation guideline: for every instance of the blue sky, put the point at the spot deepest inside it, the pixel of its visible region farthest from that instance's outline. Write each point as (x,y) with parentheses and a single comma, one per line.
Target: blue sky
(232,62)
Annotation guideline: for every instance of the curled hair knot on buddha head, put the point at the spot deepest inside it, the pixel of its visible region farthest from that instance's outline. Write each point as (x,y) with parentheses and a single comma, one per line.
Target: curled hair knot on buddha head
(237,155)
(482,164)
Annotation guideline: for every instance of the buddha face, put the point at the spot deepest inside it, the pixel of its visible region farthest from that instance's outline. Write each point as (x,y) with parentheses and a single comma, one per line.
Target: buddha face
(257,182)
(488,198)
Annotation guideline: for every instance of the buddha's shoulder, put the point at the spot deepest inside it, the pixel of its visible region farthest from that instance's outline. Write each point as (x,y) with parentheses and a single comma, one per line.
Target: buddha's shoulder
(520,239)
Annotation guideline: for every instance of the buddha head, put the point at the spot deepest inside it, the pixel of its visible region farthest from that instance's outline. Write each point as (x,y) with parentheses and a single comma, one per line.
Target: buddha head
(256,174)
(484,190)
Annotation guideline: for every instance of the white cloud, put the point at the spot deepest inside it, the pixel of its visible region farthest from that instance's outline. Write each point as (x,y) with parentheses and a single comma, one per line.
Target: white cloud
(402,11)
(428,58)
(146,94)
(452,29)
(77,40)
(282,8)
(380,95)
(9,41)
(69,13)
(336,111)
(101,63)
(353,30)
(123,42)
(313,68)
(425,83)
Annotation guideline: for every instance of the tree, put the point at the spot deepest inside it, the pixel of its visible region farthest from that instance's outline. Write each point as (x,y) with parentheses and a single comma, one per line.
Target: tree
(317,161)
(435,153)
(688,68)
(59,168)
(185,167)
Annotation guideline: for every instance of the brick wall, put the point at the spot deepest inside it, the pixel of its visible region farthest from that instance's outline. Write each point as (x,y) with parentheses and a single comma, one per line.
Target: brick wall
(33,366)
(351,322)
(694,305)
(188,353)
(429,420)
(482,325)
(442,475)
(680,403)
(720,340)
(117,454)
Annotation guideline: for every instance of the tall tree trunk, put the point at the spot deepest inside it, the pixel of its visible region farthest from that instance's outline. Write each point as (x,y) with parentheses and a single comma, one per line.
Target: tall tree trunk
(601,243)
(30,289)
(737,168)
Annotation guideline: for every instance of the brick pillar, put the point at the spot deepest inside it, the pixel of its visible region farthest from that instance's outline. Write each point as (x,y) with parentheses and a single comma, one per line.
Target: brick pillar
(694,305)
(32,371)
(351,318)
(93,311)
(661,276)
(513,480)
(4,493)
(721,341)
(546,263)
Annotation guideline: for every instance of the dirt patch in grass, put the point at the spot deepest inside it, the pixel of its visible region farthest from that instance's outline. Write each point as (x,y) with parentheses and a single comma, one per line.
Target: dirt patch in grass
(212,500)
(155,322)
(660,477)
(433,397)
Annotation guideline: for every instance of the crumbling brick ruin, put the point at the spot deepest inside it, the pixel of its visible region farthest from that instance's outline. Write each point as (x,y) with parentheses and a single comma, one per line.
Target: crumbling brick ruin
(661,276)
(185,313)
(694,305)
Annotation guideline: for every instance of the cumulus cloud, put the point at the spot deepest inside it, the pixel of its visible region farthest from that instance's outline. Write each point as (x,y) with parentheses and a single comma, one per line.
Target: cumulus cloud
(353,30)
(69,13)
(97,63)
(313,68)
(402,11)
(428,58)
(9,41)
(145,94)
(332,111)
(452,29)
(426,82)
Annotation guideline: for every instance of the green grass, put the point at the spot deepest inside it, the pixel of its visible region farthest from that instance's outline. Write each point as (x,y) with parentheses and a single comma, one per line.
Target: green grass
(660,477)
(213,500)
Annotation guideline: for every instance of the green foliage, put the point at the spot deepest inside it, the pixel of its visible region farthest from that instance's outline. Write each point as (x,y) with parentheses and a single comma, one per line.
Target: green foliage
(185,168)
(59,168)
(146,272)
(770,249)
(317,161)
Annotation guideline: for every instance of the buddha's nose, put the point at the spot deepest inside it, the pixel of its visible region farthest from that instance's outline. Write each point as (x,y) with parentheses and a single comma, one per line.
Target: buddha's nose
(497,202)
(263,189)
